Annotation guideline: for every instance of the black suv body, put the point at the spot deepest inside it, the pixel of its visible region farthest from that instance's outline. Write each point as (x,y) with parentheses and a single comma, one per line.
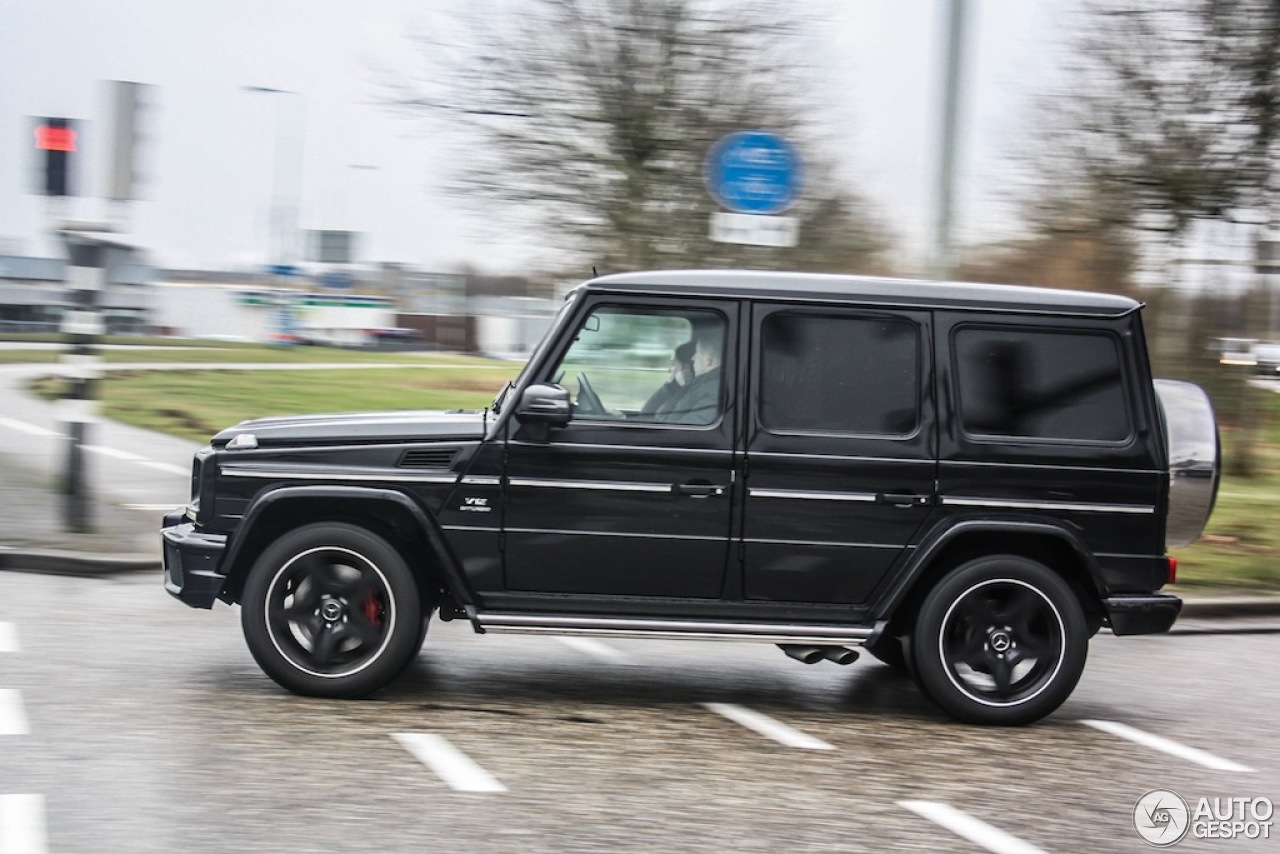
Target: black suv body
(967,480)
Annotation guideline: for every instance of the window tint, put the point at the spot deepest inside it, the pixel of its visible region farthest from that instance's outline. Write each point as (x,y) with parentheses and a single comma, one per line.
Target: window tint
(656,366)
(839,374)
(1042,385)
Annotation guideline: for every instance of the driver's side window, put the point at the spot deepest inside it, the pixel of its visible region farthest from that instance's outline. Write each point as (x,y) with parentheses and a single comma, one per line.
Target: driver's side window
(658,366)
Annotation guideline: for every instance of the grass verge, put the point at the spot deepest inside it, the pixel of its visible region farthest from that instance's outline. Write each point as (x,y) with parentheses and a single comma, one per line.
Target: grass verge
(196,404)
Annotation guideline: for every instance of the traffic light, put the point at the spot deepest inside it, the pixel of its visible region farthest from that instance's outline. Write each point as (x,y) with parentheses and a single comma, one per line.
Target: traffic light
(56,142)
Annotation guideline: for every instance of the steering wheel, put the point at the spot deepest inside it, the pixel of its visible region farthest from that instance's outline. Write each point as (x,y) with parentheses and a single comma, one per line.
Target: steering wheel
(589,403)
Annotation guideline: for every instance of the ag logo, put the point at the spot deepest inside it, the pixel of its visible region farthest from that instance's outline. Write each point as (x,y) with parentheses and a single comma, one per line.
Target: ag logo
(1161,817)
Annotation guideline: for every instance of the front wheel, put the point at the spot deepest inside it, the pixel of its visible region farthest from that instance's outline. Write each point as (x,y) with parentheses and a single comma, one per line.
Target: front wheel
(331,610)
(1001,640)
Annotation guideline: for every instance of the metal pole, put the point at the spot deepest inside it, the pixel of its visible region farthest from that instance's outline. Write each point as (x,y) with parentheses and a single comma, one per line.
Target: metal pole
(83,326)
(952,72)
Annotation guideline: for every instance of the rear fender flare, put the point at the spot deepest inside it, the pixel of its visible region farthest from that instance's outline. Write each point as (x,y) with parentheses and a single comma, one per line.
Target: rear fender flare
(922,560)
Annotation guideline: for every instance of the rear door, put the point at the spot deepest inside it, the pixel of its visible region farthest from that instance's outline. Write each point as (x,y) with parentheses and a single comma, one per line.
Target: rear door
(840,460)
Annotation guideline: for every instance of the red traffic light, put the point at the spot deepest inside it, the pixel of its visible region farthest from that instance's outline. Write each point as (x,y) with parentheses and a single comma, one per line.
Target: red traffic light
(54,136)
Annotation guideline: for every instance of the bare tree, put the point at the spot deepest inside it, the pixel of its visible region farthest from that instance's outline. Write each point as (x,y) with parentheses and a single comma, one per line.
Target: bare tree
(589,121)
(1170,119)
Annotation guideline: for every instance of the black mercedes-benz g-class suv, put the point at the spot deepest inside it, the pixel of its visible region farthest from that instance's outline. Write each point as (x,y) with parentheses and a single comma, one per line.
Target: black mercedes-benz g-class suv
(967,480)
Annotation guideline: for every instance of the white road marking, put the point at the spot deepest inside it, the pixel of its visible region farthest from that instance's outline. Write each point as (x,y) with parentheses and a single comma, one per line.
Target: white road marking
(596,649)
(112,452)
(1173,748)
(166,467)
(22,827)
(149,507)
(24,427)
(8,637)
(13,720)
(768,727)
(448,762)
(966,826)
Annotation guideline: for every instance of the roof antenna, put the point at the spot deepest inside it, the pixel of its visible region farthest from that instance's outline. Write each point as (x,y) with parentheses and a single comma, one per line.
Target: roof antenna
(594,274)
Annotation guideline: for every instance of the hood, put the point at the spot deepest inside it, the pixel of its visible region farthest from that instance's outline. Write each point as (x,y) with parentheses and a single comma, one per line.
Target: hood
(359,428)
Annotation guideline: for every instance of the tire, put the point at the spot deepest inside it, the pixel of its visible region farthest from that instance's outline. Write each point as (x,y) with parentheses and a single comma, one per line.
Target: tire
(332,610)
(1002,640)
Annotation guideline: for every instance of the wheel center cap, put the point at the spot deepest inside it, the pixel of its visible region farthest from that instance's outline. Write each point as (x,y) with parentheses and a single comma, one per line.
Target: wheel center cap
(1000,641)
(331,609)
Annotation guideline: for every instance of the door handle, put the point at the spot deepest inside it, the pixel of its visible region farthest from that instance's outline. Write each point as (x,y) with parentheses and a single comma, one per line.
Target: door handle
(699,490)
(904,499)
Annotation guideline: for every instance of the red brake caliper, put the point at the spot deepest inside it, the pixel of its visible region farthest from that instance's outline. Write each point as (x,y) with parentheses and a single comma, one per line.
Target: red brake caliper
(373,609)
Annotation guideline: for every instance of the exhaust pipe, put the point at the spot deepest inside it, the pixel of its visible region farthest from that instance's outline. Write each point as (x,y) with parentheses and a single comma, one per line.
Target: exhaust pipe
(840,654)
(807,654)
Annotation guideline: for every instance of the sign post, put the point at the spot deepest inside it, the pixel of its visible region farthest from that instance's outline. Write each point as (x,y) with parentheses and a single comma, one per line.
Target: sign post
(756,175)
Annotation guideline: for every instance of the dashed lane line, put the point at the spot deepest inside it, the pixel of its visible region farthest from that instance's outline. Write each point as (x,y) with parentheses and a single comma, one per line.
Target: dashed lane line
(22,824)
(449,763)
(768,727)
(596,649)
(112,452)
(24,427)
(165,467)
(103,450)
(8,637)
(1173,748)
(966,826)
(13,720)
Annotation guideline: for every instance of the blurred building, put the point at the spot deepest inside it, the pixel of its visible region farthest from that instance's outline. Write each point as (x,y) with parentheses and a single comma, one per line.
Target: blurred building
(34,295)
(383,307)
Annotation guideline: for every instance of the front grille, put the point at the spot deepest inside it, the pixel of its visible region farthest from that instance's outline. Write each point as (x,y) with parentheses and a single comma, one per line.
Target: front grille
(427,458)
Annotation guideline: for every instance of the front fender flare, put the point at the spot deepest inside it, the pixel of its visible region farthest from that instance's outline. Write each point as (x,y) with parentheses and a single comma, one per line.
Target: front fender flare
(450,568)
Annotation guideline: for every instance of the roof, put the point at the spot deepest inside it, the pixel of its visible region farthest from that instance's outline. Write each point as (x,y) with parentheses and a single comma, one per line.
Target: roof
(822,287)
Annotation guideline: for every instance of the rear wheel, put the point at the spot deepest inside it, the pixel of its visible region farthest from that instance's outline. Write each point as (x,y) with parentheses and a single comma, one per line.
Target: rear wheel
(1001,640)
(332,610)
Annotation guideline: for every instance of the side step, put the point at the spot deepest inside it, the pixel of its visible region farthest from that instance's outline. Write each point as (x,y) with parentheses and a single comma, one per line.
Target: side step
(778,633)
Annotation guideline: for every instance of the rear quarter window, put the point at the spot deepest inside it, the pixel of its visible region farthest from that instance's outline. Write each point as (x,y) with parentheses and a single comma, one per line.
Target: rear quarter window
(1015,382)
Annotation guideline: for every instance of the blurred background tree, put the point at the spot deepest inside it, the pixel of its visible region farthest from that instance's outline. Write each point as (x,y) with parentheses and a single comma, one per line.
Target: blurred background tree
(1162,130)
(589,122)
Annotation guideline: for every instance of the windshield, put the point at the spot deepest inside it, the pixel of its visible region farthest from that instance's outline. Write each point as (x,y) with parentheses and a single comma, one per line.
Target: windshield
(550,335)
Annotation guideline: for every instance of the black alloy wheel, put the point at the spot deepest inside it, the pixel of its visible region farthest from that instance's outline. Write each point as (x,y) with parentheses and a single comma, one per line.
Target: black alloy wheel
(332,610)
(1001,640)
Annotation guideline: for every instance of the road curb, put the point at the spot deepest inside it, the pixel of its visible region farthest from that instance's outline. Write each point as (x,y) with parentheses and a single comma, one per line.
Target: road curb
(77,564)
(1231,606)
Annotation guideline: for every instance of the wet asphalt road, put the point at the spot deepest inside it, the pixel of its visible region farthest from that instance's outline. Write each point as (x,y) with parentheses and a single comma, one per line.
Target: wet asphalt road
(135,724)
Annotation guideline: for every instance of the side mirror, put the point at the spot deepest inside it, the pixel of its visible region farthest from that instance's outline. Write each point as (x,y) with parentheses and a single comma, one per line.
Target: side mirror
(545,403)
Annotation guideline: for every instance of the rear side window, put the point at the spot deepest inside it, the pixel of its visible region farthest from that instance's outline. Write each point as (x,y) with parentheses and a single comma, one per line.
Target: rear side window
(825,374)
(1037,384)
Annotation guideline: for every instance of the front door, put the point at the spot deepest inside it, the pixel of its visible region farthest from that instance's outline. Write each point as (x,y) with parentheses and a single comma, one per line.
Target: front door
(840,455)
(632,498)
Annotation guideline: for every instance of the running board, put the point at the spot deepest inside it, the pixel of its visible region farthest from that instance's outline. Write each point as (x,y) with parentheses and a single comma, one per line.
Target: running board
(640,627)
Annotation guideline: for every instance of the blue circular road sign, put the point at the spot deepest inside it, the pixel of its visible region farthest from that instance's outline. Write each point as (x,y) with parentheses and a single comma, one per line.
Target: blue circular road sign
(754,172)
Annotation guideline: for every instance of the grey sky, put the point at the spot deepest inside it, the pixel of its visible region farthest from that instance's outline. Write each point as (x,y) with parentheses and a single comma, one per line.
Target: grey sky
(210,145)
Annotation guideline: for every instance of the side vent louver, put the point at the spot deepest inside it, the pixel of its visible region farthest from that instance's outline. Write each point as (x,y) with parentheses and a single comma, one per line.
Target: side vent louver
(427,459)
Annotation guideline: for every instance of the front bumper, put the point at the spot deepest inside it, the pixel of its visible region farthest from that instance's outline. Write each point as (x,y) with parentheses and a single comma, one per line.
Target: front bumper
(1142,613)
(191,561)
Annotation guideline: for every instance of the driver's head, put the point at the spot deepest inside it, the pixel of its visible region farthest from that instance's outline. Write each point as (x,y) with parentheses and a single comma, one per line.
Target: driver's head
(708,341)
